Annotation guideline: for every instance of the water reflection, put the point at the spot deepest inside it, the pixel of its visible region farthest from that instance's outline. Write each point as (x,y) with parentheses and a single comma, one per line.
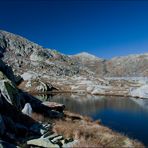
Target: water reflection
(125,115)
(88,104)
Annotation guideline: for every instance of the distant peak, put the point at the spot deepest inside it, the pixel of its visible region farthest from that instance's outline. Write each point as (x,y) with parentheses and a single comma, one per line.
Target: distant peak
(87,55)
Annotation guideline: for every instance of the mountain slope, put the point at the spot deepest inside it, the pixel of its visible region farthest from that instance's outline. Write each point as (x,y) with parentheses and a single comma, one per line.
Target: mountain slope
(46,70)
(91,62)
(24,55)
(126,66)
(132,65)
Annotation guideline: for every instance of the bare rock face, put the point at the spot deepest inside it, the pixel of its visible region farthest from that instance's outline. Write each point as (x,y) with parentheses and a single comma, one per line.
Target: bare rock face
(24,55)
(93,63)
(10,93)
(16,107)
(7,71)
(55,106)
(133,66)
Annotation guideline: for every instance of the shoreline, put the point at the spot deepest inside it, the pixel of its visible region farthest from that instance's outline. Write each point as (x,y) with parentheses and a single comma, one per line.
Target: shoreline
(73,120)
(85,132)
(70,92)
(91,133)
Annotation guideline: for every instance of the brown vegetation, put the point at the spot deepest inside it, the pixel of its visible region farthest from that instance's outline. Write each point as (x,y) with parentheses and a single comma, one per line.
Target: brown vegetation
(91,134)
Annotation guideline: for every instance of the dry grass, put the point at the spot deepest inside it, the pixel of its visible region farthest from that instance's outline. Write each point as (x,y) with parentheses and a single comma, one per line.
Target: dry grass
(91,134)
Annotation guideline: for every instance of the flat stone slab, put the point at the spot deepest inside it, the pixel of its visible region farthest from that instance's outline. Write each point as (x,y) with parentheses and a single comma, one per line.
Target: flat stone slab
(56,139)
(43,142)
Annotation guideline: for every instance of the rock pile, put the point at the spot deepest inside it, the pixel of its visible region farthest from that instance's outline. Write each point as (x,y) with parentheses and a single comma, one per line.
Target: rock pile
(17,126)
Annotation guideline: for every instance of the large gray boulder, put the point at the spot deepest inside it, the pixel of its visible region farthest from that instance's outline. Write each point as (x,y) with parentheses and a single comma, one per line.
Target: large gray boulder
(27,110)
(7,71)
(10,93)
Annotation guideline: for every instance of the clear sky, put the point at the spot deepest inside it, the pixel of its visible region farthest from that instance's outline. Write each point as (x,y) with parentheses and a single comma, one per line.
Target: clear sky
(105,28)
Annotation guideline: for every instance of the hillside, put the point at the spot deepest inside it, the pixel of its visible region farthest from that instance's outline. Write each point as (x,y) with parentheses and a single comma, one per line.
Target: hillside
(126,66)
(93,63)
(23,54)
(45,70)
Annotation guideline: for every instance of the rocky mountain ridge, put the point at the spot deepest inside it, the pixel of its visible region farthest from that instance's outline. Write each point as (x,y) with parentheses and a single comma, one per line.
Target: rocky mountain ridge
(22,53)
(134,65)
(46,70)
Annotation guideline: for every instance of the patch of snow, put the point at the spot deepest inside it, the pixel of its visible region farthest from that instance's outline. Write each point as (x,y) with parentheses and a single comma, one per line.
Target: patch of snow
(141,92)
(85,55)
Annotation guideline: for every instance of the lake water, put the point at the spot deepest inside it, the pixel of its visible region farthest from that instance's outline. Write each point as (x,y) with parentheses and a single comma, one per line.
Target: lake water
(125,115)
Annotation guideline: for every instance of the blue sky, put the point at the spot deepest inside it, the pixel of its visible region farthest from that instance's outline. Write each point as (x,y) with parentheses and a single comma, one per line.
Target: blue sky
(105,28)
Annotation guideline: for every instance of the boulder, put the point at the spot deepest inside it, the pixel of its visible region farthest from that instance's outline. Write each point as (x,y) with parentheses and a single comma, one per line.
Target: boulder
(7,71)
(2,76)
(39,56)
(44,87)
(43,142)
(27,109)
(10,93)
(29,75)
(54,106)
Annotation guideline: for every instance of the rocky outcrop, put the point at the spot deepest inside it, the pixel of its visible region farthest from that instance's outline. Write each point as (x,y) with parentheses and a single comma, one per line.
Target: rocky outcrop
(24,55)
(7,71)
(10,93)
(55,106)
(53,140)
(16,106)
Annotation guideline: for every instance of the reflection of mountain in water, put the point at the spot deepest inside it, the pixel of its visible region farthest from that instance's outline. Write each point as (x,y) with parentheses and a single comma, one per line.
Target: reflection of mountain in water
(88,104)
(141,102)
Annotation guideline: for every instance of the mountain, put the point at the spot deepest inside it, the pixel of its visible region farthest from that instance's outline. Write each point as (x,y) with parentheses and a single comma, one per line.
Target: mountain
(91,62)
(132,66)
(87,56)
(24,55)
(126,66)
(45,70)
